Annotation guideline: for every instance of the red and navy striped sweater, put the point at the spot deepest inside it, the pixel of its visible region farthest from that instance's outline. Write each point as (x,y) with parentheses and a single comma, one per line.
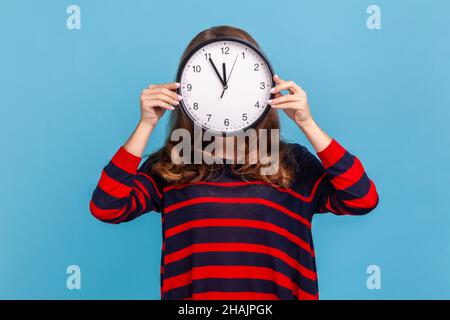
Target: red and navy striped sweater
(226,238)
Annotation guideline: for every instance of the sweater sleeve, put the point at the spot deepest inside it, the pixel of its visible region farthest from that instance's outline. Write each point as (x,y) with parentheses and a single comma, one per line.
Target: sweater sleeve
(339,182)
(124,191)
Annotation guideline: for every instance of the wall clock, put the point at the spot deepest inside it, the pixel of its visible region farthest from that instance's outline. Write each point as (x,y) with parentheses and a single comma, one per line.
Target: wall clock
(225,84)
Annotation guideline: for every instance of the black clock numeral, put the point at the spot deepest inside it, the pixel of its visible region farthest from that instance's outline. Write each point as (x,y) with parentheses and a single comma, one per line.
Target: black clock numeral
(257,104)
(262,85)
(207,56)
(243,55)
(197,68)
(256,67)
(225,50)
(189,87)
(226,122)
(195,106)
(244,117)
(209,116)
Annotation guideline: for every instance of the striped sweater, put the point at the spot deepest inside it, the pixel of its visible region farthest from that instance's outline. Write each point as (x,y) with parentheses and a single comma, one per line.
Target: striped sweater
(226,238)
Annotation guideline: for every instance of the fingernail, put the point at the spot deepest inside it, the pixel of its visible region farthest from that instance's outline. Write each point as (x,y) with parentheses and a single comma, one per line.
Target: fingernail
(276,76)
(171,108)
(179,97)
(270,101)
(176,102)
(177,84)
(272,90)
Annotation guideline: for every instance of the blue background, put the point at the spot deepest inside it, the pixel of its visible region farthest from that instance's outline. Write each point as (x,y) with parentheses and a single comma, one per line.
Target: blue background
(70,98)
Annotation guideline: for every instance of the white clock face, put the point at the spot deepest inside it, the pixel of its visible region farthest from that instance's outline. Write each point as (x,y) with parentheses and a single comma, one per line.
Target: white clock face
(225,86)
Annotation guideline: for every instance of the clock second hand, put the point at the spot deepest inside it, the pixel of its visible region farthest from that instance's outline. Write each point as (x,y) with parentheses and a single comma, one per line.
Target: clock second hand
(229,76)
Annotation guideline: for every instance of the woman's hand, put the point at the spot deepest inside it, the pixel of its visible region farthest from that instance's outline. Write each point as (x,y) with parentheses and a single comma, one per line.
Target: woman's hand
(156,99)
(295,103)
(296,106)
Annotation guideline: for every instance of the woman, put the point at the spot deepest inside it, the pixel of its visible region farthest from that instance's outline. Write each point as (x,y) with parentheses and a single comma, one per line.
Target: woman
(230,232)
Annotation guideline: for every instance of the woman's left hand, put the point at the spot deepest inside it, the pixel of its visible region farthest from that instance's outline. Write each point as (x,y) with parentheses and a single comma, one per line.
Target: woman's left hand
(295,103)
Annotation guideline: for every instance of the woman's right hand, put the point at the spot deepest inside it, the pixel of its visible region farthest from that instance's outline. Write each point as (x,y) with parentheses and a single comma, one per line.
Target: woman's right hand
(156,99)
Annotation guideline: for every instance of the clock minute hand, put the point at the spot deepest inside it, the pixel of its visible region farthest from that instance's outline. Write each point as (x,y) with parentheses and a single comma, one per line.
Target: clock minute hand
(225,87)
(224,70)
(229,76)
(217,72)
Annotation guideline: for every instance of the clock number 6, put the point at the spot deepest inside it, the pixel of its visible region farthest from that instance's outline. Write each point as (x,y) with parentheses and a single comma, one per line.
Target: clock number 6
(226,122)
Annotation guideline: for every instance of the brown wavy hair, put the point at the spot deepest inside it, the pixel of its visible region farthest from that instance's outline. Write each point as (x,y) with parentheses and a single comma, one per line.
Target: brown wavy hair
(160,162)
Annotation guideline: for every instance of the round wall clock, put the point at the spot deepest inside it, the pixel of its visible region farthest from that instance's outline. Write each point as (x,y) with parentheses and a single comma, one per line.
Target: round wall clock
(225,84)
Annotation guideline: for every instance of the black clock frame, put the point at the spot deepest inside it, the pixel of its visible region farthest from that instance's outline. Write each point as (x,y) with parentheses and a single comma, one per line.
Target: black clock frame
(197,48)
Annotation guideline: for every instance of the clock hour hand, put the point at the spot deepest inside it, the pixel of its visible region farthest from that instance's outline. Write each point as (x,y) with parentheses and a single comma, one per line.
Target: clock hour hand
(217,72)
